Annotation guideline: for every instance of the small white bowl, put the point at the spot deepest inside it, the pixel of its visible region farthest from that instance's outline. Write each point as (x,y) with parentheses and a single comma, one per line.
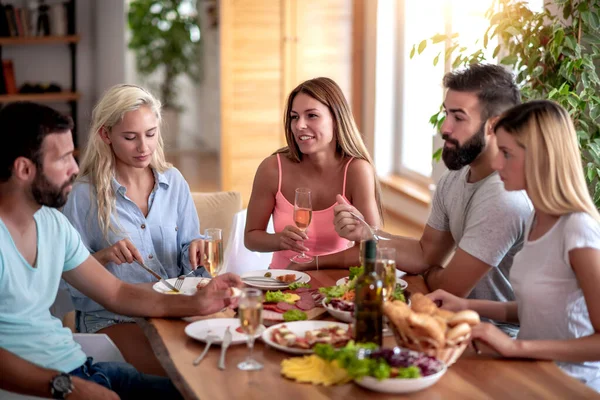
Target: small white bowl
(345,316)
(395,385)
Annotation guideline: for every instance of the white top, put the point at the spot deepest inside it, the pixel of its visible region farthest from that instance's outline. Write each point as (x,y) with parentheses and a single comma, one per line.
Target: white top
(550,300)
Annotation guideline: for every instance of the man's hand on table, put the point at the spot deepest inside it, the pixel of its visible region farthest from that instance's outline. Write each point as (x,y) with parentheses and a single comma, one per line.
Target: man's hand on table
(217,295)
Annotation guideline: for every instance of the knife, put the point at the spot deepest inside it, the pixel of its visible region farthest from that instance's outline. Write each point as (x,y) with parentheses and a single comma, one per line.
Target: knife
(224,346)
(157,276)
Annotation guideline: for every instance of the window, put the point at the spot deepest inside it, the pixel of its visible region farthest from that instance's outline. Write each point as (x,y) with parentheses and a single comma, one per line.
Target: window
(409,91)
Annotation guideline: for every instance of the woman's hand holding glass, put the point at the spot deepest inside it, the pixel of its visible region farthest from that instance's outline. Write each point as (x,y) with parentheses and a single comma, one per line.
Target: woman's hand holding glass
(291,238)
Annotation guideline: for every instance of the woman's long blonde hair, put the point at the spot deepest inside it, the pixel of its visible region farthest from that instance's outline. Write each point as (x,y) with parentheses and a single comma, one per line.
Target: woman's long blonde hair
(349,142)
(98,161)
(553,168)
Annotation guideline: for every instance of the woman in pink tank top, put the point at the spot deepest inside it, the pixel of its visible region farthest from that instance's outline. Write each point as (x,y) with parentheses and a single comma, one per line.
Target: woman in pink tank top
(326,154)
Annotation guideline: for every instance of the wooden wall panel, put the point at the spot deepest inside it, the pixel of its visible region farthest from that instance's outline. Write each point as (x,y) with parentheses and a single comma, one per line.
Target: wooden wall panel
(251,84)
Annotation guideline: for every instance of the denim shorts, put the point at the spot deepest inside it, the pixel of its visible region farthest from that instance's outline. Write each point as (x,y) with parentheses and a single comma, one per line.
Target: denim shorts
(126,381)
(92,322)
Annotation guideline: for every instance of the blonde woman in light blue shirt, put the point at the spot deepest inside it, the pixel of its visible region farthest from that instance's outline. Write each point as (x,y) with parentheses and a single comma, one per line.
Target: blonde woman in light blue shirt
(129,204)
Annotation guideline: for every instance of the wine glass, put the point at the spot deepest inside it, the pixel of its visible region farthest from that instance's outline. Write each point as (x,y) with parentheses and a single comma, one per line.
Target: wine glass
(302,218)
(250,312)
(214,251)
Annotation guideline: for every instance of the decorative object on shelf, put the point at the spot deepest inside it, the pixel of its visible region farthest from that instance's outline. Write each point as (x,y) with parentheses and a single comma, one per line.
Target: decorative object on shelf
(28,87)
(165,36)
(43,20)
(552,53)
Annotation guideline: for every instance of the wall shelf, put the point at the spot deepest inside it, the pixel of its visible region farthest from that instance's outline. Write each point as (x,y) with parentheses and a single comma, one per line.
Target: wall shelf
(59,96)
(40,40)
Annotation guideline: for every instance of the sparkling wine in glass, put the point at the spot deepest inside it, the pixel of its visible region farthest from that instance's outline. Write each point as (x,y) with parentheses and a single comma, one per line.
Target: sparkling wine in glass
(214,251)
(386,269)
(302,218)
(250,313)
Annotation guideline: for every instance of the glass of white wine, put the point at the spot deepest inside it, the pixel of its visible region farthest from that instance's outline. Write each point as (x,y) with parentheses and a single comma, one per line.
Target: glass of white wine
(302,218)
(214,251)
(386,269)
(250,313)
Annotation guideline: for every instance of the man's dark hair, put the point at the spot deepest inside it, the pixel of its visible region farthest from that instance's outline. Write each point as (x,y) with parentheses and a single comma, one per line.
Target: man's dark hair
(493,84)
(25,125)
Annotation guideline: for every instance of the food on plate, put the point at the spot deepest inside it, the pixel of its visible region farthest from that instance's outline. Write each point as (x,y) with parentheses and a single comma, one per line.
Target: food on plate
(331,334)
(426,324)
(287,278)
(278,296)
(342,305)
(298,285)
(294,315)
(366,359)
(315,370)
(172,292)
(268,274)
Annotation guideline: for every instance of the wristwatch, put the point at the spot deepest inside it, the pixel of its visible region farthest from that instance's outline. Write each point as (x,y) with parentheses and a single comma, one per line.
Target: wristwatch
(61,385)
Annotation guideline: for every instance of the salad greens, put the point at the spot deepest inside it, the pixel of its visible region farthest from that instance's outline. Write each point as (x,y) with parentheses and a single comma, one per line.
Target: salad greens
(355,272)
(294,315)
(358,361)
(276,297)
(297,285)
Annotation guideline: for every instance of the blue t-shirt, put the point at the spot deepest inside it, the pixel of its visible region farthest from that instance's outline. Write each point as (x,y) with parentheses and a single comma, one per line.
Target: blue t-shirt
(27,328)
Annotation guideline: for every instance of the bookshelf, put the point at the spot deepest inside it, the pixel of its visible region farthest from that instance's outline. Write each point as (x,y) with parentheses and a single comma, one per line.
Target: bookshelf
(71,39)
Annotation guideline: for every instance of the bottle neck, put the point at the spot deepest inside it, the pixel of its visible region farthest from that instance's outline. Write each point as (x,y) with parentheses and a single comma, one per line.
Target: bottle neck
(369,266)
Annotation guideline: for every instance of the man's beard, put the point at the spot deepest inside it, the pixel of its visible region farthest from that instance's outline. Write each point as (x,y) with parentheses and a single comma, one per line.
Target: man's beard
(459,156)
(47,194)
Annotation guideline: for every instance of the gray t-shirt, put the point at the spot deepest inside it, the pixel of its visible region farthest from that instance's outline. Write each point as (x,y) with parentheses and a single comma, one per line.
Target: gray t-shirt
(487,222)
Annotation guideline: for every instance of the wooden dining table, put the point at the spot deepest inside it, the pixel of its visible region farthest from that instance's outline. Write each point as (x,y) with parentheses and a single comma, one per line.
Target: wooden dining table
(473,376)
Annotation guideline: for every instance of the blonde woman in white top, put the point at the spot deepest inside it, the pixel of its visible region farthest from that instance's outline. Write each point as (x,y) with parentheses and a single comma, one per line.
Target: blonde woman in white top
(556,275)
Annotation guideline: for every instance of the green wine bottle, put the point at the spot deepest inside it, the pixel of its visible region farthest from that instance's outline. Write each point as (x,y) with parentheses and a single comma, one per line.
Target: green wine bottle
(368,300)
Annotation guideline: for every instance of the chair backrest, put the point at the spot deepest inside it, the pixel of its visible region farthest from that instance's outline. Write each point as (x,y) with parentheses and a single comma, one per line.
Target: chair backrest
(238,258)
(216,210)
(99,346)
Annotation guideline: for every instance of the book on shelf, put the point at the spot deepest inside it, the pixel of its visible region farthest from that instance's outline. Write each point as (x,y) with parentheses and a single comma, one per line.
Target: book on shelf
(25,21)
(9,77)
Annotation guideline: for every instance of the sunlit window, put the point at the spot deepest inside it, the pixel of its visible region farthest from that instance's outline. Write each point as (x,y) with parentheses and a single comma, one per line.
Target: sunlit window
(415,85)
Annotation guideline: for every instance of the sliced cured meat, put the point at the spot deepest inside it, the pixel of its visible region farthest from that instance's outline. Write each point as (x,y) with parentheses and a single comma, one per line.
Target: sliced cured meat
(305,304)
(285,306)
(272,307)
(269,315)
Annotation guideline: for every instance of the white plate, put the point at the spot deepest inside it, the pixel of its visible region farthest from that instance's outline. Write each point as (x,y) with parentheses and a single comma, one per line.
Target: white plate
(400,385)
(200,329)
(403,284)
(188,287)
(298,328)
(345,316)
(304,278)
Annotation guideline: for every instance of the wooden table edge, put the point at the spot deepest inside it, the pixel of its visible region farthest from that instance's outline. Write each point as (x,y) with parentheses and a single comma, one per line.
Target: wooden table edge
(162,354)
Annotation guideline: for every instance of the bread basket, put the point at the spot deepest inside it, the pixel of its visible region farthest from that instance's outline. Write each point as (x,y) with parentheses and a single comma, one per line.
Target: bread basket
(449,353)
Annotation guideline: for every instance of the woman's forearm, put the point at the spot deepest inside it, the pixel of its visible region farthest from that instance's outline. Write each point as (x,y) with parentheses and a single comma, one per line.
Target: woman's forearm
(495,310)
(572,350)
(262,241)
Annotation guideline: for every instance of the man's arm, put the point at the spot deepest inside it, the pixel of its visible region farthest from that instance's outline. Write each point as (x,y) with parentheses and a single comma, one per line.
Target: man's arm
(460,275)
(21,376)
(120,297)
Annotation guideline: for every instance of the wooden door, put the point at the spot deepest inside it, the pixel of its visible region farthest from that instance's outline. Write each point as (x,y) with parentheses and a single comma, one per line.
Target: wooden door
(251,89)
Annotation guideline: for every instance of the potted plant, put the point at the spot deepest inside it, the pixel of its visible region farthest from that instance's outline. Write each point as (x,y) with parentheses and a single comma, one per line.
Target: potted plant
(553,54)
(165,37)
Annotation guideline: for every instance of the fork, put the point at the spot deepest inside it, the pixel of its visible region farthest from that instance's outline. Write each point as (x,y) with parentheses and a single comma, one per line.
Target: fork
(371,229)
(180,279)
(210,338)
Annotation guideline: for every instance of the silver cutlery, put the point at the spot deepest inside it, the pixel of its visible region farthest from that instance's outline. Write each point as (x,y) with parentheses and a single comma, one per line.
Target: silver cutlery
(371,229)
(224,346)
(266,279)
(157,276)
(181,279)
(209,340)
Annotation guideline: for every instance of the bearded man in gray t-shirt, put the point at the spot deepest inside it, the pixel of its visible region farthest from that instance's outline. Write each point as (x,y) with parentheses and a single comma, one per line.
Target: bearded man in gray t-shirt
(471,214)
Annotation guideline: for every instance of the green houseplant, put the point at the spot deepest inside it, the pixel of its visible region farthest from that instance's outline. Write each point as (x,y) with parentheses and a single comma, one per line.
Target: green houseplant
(553,53)
(165,37)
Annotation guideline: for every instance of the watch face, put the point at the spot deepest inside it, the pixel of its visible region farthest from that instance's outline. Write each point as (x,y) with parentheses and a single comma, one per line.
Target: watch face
(62,383)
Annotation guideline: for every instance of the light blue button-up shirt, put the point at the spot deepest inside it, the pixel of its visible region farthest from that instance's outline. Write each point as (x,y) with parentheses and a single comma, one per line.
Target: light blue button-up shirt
(163,237)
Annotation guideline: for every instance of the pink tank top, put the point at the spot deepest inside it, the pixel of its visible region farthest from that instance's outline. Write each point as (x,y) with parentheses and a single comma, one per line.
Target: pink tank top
(322,237)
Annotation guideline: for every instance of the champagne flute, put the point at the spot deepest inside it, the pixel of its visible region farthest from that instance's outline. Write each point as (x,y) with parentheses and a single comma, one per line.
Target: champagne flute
(214,251)
(302,218)
(250,312)
(386,268)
